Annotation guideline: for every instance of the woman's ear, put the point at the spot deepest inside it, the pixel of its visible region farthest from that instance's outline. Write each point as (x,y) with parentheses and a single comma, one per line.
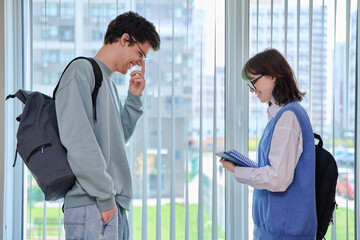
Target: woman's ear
(275,91)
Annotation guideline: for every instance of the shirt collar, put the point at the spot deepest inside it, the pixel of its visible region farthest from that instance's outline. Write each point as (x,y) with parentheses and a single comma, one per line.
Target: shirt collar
(273,110)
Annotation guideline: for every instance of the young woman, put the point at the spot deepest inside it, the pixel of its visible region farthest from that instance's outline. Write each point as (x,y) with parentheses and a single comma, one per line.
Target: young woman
(284,194)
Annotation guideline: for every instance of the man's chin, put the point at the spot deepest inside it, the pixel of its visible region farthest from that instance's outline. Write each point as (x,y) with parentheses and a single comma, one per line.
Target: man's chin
(124,71)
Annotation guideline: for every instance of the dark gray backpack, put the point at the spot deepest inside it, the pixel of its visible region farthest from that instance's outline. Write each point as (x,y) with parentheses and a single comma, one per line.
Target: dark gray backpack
(38,141)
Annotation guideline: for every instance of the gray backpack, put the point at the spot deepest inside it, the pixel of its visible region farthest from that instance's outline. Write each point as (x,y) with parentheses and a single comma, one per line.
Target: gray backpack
(38,141)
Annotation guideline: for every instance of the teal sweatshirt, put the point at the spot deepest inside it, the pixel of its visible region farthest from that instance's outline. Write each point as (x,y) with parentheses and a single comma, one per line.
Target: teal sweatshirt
(96,150)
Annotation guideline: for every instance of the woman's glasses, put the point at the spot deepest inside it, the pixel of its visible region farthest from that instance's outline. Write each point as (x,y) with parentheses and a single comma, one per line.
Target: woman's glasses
(251,83)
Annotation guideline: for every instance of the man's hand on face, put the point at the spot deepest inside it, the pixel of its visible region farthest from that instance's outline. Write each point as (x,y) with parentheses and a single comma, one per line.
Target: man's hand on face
(137,80)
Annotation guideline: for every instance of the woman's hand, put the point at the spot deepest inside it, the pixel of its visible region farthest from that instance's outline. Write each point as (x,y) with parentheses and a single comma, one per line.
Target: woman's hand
(230,166)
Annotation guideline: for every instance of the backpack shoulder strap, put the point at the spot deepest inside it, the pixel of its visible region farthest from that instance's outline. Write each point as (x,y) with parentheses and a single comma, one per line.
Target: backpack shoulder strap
(320,143)
(57,85)
(98,81)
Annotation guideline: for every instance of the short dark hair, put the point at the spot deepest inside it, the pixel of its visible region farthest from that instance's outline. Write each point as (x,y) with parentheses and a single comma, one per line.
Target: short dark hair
(135,25)
(272,63)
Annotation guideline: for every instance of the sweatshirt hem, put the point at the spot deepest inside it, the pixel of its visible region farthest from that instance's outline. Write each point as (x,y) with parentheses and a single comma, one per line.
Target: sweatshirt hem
(78,201)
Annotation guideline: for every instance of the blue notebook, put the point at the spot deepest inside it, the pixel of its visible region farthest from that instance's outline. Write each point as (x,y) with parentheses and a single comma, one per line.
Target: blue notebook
(237,158)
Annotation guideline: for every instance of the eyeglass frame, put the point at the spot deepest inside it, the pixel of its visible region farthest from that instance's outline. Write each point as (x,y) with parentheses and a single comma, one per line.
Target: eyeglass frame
(142,52)
(251,84)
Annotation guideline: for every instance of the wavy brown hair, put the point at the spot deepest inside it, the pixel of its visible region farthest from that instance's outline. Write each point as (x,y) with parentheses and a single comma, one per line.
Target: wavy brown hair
(135,25)
(272,63)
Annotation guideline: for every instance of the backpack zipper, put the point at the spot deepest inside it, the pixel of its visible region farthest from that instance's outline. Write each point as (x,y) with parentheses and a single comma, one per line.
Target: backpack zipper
(37,149)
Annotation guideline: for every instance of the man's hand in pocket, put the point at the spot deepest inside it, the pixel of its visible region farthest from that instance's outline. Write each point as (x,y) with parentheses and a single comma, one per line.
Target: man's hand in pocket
(107,215)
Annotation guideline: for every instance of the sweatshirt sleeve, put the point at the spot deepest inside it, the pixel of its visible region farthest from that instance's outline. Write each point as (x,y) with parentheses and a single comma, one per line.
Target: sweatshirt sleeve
(75,120)
(130,113)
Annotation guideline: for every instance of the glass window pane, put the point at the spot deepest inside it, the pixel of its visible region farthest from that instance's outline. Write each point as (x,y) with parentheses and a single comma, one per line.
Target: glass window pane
(169,131)
(323,58)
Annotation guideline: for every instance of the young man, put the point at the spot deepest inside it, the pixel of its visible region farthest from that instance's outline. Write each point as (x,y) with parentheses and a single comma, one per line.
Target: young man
(95,206)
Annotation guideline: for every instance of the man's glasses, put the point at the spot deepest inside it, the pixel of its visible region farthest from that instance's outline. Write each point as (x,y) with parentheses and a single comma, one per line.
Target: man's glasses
(142,52)
(251,83)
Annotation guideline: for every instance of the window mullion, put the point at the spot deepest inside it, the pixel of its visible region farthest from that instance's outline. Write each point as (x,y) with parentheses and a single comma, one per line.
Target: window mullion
(159,181)
(236,113)
(357,124)
(215,163)
(173,122)
(333,226)
(13,74)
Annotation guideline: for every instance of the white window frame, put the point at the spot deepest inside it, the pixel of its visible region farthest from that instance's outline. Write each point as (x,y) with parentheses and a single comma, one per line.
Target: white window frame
(357,132)
(2,115)
(236,113)
(11,66)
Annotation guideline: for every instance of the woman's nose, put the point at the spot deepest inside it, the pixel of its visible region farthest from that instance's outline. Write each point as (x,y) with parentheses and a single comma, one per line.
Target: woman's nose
(252,90)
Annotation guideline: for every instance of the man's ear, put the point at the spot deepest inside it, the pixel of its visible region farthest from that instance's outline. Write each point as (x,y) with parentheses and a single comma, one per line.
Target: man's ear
(125,39)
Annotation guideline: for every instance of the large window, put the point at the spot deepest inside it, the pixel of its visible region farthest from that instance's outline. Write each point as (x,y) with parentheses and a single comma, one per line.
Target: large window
(319,40)
(178,185)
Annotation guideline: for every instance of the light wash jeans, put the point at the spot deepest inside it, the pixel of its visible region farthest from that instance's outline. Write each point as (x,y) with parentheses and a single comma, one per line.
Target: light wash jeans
(85,223)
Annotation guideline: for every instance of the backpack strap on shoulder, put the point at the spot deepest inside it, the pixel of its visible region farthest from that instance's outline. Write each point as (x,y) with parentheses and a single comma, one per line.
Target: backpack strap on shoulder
(317,136)
(98,81)
(57,85)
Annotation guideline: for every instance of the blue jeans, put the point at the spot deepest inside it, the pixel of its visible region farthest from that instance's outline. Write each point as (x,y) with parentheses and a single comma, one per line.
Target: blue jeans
(86,223)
